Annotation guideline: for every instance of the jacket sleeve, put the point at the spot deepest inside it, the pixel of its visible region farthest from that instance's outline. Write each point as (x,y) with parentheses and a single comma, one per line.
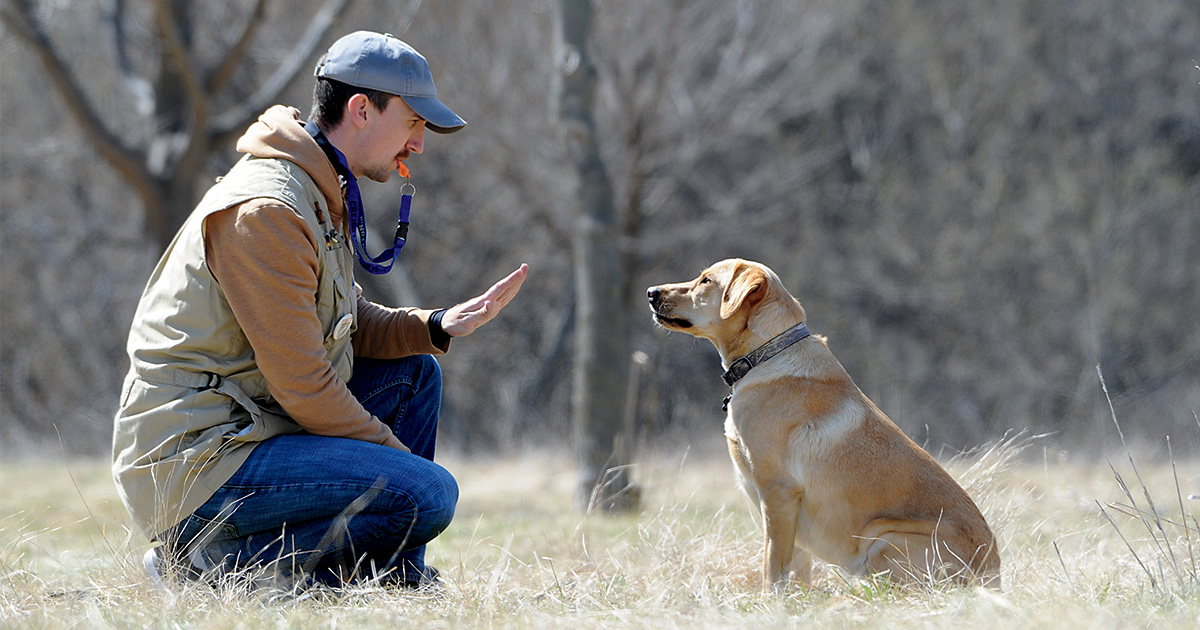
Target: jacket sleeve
(265,259)
(391,333)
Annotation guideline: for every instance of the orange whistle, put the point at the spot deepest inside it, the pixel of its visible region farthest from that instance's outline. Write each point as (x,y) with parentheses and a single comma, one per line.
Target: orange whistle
(401,169)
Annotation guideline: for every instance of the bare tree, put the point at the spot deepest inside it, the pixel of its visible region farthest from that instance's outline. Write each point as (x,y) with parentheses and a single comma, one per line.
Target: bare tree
(603,347)
(180,99)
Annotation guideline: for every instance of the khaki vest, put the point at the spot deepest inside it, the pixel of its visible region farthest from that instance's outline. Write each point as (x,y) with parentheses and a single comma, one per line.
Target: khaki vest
(194,403)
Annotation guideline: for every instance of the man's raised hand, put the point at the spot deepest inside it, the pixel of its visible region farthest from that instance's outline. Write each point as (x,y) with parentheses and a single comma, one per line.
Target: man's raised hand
(462,319)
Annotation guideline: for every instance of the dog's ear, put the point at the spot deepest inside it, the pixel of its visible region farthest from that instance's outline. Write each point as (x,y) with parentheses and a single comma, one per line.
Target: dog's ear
(747,287)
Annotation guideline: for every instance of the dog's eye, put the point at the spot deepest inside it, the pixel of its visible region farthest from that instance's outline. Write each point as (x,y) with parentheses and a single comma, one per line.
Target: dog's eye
(705,280)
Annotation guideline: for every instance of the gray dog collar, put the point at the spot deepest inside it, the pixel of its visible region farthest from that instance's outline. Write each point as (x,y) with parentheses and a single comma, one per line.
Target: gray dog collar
(740,367)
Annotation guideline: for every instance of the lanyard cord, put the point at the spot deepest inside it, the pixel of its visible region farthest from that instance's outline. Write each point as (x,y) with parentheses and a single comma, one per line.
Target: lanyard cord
(354,207)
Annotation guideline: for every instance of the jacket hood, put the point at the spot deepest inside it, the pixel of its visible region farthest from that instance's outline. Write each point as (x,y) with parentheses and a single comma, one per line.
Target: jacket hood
(279,133)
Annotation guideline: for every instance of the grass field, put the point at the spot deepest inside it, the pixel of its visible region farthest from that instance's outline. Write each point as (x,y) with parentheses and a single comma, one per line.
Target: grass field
(519,556)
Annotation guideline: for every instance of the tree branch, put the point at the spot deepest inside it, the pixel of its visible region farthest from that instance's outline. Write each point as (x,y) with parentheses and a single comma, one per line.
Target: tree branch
(196,146)
(139,88)
(224,71)
(168,30)
(234,120)
(126,160)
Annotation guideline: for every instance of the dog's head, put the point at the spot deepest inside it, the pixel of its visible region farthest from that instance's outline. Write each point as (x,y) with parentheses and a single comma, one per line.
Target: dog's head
(733,303)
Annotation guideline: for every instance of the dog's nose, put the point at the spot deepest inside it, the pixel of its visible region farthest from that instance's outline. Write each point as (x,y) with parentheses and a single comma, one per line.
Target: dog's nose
(654,295)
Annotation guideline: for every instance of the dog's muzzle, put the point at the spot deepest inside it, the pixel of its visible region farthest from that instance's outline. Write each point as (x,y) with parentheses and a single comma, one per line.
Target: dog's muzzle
(655,296)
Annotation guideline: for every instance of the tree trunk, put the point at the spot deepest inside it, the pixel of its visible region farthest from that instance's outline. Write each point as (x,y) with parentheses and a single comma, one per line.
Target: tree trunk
(603,350)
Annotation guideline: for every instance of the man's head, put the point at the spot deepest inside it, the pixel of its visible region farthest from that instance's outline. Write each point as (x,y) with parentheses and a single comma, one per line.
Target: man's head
(382,63)
(375,97)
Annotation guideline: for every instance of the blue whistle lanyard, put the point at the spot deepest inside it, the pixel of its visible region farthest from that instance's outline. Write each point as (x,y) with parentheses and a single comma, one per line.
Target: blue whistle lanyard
(382,263)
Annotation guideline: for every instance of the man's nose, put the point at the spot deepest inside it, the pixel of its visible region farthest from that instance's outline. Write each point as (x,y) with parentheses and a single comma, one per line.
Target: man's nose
(416,142)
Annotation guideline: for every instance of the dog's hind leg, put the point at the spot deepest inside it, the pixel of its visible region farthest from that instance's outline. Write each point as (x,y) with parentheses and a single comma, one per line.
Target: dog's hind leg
(927,552)
(905,550)
(904,557)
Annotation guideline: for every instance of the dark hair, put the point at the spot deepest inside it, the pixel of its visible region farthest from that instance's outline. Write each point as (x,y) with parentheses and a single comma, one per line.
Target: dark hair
(329,101)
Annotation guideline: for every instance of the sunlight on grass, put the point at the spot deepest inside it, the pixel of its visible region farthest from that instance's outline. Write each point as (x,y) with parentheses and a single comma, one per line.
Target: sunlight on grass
(519,556)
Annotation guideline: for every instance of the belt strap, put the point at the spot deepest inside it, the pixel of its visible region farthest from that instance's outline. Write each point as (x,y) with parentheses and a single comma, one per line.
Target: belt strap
(180,377)
(200,380)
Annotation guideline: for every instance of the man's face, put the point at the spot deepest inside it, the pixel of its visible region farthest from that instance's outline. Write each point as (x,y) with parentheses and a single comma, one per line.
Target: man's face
(391,135)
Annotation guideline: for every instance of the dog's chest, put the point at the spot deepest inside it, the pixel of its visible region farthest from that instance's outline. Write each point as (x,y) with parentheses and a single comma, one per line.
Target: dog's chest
(741,458)
(734,438)
(794,444)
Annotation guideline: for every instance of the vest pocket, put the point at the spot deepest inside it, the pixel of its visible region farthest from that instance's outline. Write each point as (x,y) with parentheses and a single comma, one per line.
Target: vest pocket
(338,346)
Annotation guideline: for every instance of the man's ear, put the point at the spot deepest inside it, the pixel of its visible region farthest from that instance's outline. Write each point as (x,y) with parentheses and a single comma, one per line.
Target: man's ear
(747,287)
(356,110)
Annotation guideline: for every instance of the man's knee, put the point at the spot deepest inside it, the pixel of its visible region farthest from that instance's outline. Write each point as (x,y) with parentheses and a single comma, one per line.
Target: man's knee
(430,370)
(432,506)
(422,373)
(442,498)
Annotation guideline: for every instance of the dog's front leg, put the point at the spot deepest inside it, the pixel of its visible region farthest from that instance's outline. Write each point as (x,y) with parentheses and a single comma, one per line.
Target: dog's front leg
(780,507)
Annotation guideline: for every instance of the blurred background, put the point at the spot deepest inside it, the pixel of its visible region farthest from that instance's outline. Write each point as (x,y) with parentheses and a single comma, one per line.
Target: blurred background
(979,203)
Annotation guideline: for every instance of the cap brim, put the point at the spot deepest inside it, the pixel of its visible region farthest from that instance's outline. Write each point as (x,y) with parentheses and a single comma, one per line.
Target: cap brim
(438,117)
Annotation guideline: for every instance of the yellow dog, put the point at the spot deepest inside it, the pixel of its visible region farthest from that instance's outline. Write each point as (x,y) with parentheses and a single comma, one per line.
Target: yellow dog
(832,475)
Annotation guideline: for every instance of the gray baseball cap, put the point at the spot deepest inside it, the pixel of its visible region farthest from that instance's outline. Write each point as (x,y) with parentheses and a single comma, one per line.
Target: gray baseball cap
(382,62)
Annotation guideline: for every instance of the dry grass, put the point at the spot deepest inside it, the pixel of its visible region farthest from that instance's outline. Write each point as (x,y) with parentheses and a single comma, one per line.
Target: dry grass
(518,556)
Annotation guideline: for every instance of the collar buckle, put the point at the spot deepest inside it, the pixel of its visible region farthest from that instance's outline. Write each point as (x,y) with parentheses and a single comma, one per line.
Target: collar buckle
(738,369)
(742,366)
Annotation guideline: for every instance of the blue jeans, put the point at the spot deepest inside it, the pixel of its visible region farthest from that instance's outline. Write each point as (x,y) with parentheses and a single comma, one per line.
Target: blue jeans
(336,509)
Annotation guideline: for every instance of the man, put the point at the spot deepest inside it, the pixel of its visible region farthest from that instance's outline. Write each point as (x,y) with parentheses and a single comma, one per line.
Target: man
(272,416)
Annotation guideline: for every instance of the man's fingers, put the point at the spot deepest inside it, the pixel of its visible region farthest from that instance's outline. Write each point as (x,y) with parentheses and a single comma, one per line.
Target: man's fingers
(508,287)
(505,290)
(464,318)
